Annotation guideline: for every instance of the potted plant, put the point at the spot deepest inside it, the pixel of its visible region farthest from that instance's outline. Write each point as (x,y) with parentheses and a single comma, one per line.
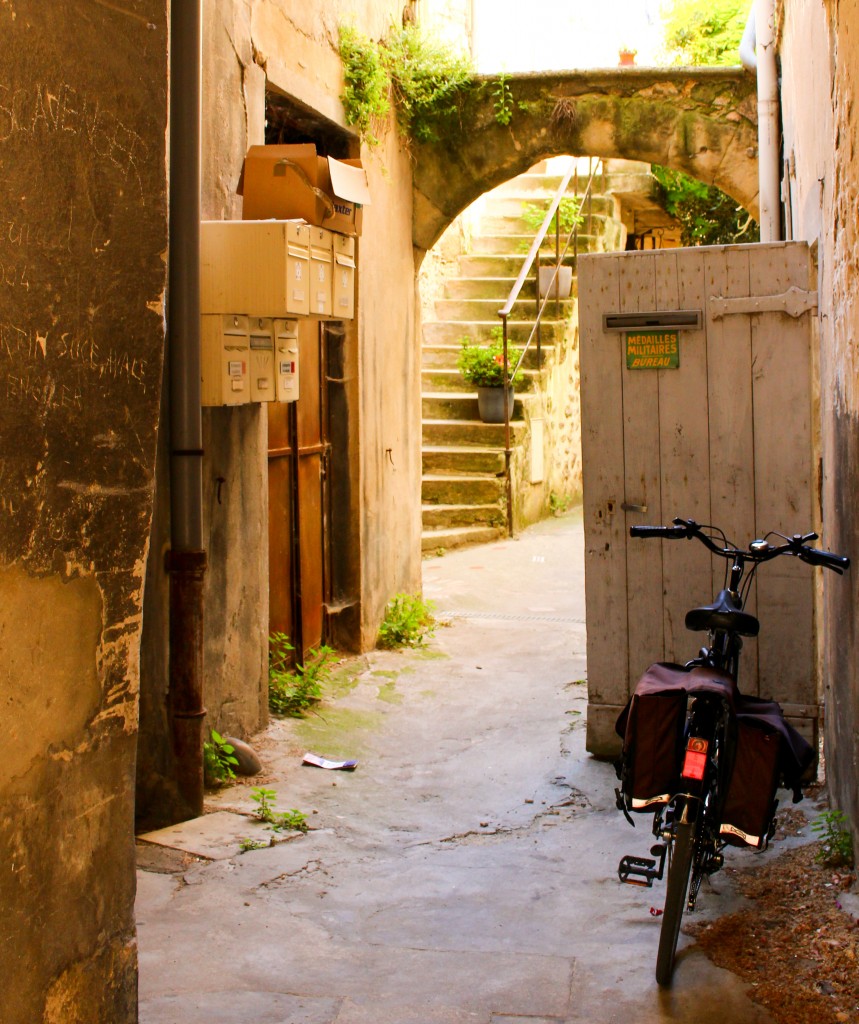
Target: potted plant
(626,56)
(482,366)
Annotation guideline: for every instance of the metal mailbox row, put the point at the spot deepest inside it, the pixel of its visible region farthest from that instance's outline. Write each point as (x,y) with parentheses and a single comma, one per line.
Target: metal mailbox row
(255,278)
(248,359)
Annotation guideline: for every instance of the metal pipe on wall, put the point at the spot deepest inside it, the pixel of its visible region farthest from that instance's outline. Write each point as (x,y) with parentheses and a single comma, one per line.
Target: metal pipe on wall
(186,561)
(769,169)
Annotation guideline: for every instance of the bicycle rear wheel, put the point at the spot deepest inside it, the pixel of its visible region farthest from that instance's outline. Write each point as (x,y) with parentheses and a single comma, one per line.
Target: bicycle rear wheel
(675,900)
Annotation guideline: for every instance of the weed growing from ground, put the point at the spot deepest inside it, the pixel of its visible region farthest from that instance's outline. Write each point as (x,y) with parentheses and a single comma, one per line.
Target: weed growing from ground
(836,842)
(278,821)
(219,761)
(294,688)
(245,845)
(408,622)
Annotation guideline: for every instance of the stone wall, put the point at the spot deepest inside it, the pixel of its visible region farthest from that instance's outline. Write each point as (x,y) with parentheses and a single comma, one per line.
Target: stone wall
(83,115)
(819,92)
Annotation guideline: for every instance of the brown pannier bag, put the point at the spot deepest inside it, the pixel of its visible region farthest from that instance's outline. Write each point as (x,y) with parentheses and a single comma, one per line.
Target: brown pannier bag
(651,726)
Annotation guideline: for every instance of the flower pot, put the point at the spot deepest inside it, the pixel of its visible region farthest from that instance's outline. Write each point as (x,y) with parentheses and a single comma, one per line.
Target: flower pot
(490,404)
(560,287)
(626,58)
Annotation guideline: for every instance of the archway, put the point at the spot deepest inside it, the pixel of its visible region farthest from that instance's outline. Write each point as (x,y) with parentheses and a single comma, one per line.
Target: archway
(702,121)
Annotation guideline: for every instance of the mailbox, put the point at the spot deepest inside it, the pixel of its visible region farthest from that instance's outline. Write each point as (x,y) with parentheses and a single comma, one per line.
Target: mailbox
(224,360)
(343,290)
(321,257)
(286,360)
(262,360)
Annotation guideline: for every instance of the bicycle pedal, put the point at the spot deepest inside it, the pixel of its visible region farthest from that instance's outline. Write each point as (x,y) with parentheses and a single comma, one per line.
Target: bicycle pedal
(637,871)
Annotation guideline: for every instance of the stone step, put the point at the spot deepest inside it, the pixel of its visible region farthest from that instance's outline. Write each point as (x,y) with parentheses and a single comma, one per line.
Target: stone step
(532,182)
(439,541)
(470,433)
(443,357)
(468,310)
(513,225)
(494,265)
(494,288)
(510,203)
(445,489)
(506,244)
(449,379)
(440,459)
(460,405)
(442,517)
(442,332)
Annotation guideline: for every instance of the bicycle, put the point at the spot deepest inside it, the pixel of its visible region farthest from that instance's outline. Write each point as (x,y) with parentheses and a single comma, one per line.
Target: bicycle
(703,757)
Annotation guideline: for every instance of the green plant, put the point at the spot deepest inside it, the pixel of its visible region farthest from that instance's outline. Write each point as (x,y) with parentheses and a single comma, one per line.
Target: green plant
(706,215)
(219,761)
(836,841)
(502,97)
(408,622)
(704,32)
(283,821)
(293,688)
(366,98)
(251,844)
(559,503)
(482,366)
(568,214)
(427,80)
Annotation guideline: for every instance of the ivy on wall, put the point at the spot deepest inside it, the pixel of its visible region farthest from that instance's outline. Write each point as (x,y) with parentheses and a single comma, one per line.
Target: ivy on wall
(425,82)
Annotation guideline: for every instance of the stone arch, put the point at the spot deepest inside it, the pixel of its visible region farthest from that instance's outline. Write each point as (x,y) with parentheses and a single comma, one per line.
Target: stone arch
(702,121)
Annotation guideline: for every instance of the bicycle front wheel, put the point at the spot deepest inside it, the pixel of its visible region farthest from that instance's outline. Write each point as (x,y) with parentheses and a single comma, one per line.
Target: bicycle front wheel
(675,900)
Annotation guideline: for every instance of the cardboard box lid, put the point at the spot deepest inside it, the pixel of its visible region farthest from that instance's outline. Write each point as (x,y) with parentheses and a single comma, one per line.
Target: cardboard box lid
(349,180)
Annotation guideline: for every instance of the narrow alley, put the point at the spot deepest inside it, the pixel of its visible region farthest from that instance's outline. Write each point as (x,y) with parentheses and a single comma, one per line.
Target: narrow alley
(464,872)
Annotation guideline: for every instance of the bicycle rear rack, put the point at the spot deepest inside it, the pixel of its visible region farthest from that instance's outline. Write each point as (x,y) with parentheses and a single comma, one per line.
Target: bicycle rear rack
(642,870)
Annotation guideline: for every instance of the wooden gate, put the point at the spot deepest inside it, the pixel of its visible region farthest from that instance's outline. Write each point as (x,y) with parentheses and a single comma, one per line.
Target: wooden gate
(728,437)
(298,520)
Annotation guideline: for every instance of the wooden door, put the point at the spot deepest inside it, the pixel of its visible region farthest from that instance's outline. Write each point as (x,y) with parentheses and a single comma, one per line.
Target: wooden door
(297,459)
(727,437)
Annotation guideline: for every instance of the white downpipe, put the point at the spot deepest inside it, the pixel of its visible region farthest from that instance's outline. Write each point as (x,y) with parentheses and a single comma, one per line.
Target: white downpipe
(768,115)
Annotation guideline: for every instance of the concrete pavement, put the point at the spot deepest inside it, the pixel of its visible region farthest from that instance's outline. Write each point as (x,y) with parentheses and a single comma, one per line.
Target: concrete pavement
(465,872)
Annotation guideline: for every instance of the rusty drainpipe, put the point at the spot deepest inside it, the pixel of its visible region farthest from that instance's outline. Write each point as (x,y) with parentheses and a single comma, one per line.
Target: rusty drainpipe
(186,560)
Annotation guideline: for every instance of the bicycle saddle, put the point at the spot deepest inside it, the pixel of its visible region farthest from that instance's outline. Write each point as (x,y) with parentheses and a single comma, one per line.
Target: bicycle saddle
(722,614)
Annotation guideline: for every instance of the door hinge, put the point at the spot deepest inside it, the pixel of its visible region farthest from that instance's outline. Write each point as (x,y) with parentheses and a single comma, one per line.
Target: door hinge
(794,302)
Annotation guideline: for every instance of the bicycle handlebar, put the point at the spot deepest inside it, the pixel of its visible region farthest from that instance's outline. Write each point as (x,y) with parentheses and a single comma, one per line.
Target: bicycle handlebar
(668,532)
(758,551)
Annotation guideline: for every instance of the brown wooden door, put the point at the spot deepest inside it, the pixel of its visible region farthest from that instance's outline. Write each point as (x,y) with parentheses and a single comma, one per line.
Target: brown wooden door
(728,438)
(297,459)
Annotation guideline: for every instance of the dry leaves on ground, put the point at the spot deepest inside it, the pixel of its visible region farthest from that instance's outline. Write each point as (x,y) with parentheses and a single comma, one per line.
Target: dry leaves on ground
(793,944)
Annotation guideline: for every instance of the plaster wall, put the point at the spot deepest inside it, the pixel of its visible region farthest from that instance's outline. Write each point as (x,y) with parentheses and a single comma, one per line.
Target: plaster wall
(83,117)
(821,36)
(292,47)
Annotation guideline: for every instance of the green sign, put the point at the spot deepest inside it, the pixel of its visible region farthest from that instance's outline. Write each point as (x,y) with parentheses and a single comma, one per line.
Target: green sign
(652,350)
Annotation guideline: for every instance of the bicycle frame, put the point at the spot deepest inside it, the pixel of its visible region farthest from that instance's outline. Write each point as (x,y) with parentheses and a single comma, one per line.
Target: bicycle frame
(688,827)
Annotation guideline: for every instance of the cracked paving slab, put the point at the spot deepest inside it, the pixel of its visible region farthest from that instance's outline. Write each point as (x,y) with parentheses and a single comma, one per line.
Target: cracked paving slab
(465,873)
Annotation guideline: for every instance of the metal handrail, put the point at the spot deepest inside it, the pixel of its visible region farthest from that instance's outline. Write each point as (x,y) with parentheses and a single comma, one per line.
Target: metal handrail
(531,259)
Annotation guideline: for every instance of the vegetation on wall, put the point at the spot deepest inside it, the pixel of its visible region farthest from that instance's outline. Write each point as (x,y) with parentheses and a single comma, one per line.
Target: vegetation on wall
(704,33)
(425,82)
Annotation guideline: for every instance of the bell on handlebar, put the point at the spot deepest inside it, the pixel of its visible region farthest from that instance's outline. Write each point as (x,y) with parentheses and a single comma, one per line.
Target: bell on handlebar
(758,547)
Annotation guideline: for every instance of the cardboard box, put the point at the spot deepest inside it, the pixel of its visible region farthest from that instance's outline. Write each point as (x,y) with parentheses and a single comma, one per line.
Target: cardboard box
(286,182)
(259,268)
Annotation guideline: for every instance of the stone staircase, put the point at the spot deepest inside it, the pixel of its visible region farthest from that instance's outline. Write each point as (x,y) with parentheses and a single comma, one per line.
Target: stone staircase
(463,495)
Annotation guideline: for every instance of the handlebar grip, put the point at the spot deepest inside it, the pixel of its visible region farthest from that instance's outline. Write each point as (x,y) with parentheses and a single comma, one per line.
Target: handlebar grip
(828,559)
(668,532)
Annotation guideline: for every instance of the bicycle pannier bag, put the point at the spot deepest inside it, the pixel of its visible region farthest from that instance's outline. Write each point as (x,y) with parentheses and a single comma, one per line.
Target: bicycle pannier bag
(750,802)
(652,729)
